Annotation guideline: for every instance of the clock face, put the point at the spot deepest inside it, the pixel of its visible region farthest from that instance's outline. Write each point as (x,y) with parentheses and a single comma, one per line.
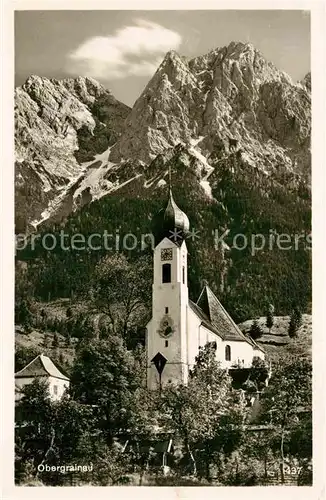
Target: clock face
(166,254)
(166,328)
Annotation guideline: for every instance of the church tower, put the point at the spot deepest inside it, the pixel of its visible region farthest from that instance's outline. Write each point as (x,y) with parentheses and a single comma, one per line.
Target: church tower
(166,343)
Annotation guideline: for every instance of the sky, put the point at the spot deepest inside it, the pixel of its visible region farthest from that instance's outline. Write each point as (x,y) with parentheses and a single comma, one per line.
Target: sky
(122,49)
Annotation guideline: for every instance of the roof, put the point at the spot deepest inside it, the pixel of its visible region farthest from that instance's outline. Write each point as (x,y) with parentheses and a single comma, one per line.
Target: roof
(41,366)
(214,317)
(174,217)
(171,222)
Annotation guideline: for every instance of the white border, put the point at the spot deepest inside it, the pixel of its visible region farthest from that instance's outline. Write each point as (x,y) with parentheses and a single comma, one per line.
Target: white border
(318,53)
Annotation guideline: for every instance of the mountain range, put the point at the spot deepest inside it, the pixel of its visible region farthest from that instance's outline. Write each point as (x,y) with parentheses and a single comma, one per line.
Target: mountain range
(233,130)
(73,136)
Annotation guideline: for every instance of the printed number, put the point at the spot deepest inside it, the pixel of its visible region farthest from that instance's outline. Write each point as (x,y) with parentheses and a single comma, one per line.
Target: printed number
(294,471)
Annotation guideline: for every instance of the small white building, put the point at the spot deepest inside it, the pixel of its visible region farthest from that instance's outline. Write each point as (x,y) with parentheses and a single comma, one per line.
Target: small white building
(179,326)
(42,367)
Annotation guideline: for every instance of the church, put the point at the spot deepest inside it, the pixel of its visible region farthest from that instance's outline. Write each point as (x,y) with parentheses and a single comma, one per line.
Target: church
(178,326)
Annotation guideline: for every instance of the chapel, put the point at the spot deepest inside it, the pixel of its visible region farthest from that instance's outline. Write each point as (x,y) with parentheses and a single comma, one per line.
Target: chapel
(179,326)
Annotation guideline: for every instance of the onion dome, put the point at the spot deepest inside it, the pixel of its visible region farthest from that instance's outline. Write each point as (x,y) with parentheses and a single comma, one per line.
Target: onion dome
(171,222)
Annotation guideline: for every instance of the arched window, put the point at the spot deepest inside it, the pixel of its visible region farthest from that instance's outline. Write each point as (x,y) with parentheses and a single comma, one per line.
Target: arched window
(166,273)
(227,353)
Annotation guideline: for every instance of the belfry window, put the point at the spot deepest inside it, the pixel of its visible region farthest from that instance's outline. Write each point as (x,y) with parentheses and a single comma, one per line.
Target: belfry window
(166,273)
(227,353)
(183,274)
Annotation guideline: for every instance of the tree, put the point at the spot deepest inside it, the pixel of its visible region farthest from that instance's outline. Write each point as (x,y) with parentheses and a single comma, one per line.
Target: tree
(143,417)
(86,329)
(105,374)
(24,315)
(288,397)
(46,340)
(258,373)
(298,315)
(255,457)
(24,290)
(44,316)
(103,332)
(69,313)
(55,341)
(255,330)
(295,322)
(122,291)
(77,327)
(83,328)
(68,340)
(270,317)
(69,324)
(207,415)
(111,465)
(34,429)
(52,432)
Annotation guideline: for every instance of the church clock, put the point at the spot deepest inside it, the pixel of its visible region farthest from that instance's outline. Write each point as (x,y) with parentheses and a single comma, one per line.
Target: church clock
(166,328)
(166,254)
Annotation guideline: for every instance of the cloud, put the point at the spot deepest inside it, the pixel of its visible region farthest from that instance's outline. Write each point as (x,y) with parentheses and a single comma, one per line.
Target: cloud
(132,50)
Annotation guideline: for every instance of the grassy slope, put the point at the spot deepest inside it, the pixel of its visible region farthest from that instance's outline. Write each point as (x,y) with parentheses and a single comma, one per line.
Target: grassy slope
(277,343)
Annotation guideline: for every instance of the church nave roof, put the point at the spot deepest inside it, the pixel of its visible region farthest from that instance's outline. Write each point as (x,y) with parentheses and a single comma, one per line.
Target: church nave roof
(213,315)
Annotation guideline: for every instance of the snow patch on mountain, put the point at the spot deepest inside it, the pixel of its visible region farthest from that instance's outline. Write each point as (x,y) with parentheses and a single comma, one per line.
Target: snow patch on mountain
(93,178)
(161,183)
(207,188)
(119,186)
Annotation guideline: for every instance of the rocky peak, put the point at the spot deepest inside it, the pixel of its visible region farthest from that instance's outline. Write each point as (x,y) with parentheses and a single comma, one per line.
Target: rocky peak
(49,115)
(176,69)
(85,88)
(231,93)
(162,113)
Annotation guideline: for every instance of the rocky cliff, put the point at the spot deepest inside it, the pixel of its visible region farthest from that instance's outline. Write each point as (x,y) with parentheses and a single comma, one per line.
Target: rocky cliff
(230,98)
(75,142)
(53,120)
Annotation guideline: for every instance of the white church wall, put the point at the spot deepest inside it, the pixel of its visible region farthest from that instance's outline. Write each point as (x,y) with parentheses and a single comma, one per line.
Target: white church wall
(199,336)
(193,327)
(242,354)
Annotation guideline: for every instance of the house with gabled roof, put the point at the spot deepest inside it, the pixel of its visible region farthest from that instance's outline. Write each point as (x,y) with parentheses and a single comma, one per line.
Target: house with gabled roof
(42,368)
(179,327)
